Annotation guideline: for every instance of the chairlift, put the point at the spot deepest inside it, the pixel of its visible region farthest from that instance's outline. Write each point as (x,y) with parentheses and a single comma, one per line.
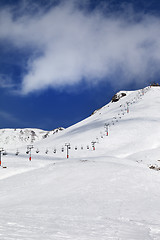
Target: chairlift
(62,149)
(27,152)
(37,151)
(87,147)
(76,148)
(4,153)
(46,151)
(54,151)
(17,152)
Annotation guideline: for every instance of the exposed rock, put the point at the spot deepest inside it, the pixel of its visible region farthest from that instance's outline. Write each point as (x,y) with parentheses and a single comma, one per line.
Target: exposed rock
(117,96)
(155,167)
(95,111)
(155,85)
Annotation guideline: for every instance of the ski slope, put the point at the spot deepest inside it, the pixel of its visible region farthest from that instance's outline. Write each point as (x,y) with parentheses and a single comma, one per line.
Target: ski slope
(106,193)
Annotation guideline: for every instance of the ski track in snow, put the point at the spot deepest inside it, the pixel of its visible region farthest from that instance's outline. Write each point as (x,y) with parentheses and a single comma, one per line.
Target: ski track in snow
(110,193)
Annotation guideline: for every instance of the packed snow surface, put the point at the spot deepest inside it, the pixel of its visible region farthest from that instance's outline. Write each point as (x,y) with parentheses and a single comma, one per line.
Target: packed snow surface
(111,192)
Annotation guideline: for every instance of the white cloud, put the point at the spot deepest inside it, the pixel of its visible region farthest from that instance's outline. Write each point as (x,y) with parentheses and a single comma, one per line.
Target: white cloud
(75,45)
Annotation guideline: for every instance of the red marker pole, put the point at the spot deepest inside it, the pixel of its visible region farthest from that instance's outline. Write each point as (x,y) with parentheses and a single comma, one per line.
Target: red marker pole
(29,147)
(67,152)
(1,150)
(68,146)
(106,127)
(93,145)
(30,156)
(107,130)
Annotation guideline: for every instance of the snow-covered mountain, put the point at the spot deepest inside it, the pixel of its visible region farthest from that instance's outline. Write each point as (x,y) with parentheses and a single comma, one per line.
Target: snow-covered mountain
(13,138)
(108,187)
(133,123)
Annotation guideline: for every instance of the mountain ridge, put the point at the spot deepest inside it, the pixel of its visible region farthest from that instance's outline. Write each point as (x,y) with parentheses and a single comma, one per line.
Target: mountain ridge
(20,136)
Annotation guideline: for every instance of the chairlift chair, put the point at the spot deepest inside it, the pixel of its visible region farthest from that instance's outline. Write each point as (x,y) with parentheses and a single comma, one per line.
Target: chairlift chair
(4,153)
(17,152)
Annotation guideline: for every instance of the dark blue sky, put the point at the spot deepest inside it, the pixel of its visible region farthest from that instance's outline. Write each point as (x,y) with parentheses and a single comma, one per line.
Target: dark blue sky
(56,103)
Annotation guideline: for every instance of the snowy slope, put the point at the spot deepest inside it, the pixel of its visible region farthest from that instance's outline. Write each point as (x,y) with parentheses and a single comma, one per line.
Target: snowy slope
(129,133)
(106,193)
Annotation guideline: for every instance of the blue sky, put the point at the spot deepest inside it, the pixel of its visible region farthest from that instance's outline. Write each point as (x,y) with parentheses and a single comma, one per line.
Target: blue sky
(61,60)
